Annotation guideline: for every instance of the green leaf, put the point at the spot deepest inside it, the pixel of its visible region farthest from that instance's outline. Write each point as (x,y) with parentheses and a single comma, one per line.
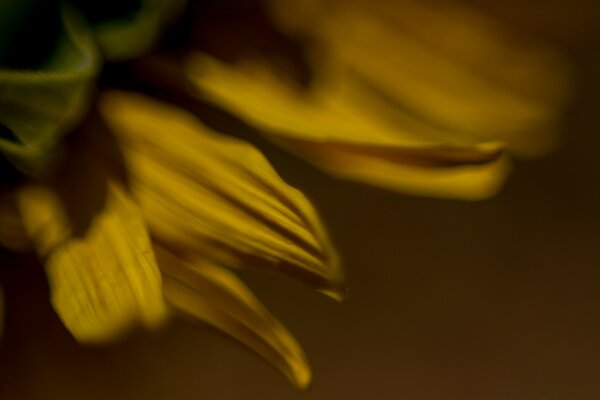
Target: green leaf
(39,104)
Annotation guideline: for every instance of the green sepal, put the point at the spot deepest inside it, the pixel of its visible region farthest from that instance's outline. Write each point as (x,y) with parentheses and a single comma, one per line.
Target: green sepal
(37,107)
(126,37)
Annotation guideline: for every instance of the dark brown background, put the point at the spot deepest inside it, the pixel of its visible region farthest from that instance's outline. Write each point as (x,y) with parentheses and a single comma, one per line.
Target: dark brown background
(493,300)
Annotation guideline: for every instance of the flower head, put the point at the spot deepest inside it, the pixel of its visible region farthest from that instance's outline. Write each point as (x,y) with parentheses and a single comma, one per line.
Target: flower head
(139,210)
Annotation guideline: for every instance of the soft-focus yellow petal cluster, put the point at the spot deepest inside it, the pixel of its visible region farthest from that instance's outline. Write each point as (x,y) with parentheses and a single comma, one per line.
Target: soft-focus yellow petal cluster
(151,210)
(423,97)
(330,127)
(217,196)
(119,252)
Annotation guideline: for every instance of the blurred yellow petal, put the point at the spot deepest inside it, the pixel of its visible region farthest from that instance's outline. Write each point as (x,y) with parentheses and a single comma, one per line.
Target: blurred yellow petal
(329,126)
(446,63)
(478,42)
(447,92)
(212,194)
(44,218)
(210,293)
(105,281)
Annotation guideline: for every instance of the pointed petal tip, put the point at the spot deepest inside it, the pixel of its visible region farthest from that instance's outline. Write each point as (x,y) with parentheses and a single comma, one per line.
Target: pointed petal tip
(338,295)
(300,373)
(302,378)
(336,289)
(208,292)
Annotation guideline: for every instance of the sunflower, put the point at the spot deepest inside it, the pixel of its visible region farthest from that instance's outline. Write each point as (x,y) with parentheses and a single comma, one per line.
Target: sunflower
(139,210)
(142,210)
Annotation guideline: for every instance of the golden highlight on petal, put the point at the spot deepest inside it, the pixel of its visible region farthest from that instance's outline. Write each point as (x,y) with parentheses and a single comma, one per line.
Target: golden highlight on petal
(216,195)
(104,282)
(336,126)
(210,293)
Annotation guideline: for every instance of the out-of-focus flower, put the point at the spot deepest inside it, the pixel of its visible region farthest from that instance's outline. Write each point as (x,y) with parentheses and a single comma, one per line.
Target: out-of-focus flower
(425,97)
(144,208)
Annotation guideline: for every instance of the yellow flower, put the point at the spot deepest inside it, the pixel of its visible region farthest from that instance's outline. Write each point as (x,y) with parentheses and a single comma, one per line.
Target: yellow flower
(192,202)
(143,210)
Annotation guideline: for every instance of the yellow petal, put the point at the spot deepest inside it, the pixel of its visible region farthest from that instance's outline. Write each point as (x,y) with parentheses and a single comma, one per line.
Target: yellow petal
(448,64)
(329,126)
(434,85)
(105,281)
(210,293)
(470,38)
(208,193)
